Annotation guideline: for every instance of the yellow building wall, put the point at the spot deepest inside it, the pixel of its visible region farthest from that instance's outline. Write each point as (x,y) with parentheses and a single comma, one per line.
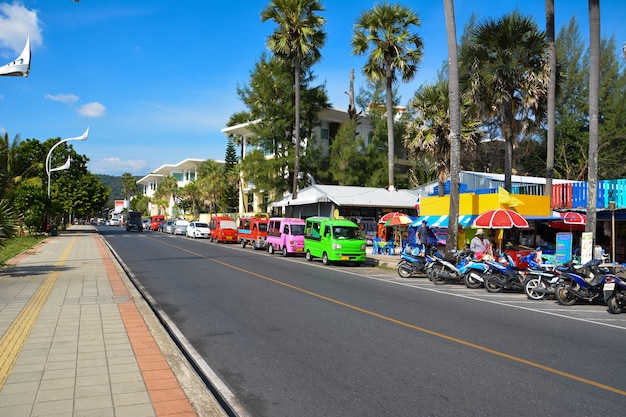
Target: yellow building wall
(534,205)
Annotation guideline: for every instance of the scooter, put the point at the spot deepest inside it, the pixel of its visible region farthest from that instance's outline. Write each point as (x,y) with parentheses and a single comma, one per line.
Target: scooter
(614,291)
(503,276)
(444,271)
(414,261)
(587,284)
(541,279)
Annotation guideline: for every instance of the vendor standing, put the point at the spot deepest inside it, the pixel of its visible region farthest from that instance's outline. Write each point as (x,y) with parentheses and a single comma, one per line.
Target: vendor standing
(480,245)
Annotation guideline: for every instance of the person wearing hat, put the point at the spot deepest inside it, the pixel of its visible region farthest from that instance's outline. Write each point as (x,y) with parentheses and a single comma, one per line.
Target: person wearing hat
(480,245)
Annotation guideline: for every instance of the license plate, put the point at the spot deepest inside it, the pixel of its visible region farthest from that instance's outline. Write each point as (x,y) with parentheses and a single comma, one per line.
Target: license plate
(299,249)
(345,258)
(229,238)
(609,286)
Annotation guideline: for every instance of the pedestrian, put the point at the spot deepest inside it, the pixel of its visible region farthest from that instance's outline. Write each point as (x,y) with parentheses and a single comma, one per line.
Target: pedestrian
(460,239)
(422,234)
(480,246)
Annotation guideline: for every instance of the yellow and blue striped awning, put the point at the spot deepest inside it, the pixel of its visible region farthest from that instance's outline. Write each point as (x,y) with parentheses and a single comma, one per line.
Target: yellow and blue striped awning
(465,220)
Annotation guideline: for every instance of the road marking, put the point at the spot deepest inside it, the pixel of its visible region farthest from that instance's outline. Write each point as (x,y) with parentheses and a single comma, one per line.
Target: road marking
(414,327)
(15,337)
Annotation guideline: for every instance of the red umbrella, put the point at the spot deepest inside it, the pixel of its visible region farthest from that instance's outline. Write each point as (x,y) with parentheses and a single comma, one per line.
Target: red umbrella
(389,216)
(572,217)
(500,219)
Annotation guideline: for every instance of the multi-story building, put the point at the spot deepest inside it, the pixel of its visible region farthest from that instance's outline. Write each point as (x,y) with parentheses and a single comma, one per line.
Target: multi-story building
(323,135)
(184,172)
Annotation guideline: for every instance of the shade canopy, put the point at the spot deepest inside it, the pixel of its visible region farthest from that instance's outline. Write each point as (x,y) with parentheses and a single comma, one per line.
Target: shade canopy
(385,218)
(400,221)
(500,219)
(572,217)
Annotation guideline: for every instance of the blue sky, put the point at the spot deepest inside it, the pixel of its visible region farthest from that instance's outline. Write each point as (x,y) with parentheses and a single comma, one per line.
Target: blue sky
(155,80)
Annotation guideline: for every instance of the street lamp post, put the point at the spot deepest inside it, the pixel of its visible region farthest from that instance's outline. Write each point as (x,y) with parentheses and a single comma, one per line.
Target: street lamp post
(67,164)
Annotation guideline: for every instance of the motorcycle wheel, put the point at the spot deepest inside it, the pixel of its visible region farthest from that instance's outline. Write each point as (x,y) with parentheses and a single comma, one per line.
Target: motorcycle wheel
(563,295)
(405,270)
(615,306)
(435,278)
(530,283)
(491,284)
(471,282)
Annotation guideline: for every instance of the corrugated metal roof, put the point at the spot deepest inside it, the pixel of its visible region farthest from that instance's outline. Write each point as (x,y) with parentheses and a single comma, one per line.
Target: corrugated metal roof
(350,196)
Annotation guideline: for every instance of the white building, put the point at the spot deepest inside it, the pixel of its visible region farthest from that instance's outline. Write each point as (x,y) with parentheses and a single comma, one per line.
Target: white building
(323,134)
(184,172)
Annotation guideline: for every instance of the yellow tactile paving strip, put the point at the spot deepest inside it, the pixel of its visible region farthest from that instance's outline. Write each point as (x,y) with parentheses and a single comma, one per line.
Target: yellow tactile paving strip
(13,340)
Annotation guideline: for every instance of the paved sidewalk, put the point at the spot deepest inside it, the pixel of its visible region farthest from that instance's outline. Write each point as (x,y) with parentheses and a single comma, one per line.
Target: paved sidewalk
(77,339)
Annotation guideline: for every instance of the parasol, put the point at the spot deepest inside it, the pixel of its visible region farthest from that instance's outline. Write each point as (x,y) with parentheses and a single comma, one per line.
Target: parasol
(389,216)
(403,220)
(572,217)
(500,219)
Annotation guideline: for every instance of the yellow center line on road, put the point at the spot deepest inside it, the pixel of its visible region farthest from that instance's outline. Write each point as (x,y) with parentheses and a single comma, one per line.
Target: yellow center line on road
(14,339)
(417,328)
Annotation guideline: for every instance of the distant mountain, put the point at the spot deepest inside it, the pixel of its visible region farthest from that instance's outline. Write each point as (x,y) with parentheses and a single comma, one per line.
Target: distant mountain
(115,184)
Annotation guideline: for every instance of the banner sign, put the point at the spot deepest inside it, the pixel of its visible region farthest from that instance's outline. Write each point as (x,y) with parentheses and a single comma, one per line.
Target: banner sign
(563,252)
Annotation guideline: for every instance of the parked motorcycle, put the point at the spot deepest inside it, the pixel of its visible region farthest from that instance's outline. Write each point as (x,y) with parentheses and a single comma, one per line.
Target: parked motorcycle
(614,291)
(445,271)
(503,276)
(415,261)
(585,284)
(541,280)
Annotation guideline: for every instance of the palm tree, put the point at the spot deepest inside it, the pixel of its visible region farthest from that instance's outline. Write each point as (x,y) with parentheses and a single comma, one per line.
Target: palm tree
(385,32)
(507,76)
(166,191)
(298,39)
(594,94)
(129,185)
(551,96)
(454,99)
(431,130)
(210,183)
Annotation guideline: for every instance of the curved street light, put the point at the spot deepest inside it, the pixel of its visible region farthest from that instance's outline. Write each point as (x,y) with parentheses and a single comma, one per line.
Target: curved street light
(21,66)
(67,164)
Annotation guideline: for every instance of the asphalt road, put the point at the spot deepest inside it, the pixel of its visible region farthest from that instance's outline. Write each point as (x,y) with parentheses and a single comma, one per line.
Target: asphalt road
(293,338)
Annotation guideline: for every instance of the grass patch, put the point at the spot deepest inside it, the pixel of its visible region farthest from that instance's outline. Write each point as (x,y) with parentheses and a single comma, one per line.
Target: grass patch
(16,245)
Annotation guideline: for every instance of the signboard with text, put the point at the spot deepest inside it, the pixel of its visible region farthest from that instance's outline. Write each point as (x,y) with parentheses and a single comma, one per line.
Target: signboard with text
(563,251)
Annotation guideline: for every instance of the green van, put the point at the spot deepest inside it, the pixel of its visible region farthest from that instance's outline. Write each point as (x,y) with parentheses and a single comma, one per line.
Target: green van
(333,240)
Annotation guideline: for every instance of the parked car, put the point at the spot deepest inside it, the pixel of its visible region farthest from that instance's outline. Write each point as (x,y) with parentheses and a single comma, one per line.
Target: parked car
(333,240)
(198,229)
(223,229)
(167,226)
(155,222)
(285,235)
(180,227)
(146,224)
(252,231)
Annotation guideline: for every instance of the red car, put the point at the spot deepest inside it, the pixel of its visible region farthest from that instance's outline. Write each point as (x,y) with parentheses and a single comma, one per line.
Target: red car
(155,220)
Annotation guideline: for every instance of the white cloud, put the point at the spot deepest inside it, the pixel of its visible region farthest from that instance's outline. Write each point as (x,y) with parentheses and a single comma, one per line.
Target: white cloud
(93,109)
(116,166)
(16,24)
(63,98)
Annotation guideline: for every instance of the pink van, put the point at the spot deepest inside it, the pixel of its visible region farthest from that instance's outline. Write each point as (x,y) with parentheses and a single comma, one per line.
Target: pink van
(285,235)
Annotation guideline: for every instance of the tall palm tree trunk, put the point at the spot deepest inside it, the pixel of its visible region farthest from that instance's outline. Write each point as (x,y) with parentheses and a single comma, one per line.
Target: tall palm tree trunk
(296,144)
(594,89)
(551,96)
(455,126)
(390,139)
